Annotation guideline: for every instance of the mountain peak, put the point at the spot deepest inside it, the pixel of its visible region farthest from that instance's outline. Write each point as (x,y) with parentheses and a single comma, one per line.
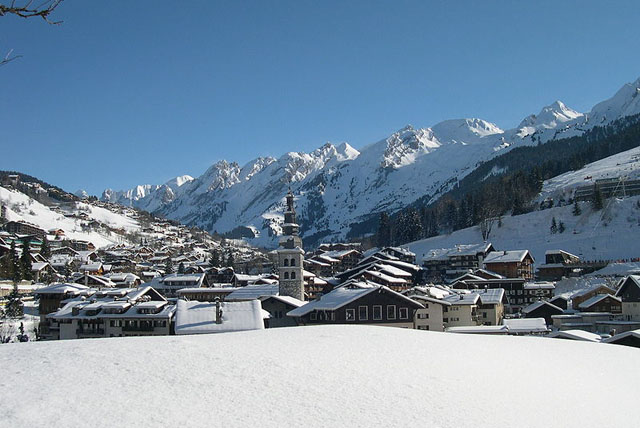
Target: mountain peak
(464,130)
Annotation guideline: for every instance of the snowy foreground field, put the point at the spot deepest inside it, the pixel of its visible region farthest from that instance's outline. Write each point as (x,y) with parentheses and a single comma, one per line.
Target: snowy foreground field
(320,376)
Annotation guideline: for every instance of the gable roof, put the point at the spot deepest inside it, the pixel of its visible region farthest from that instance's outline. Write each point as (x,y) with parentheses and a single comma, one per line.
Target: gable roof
(631,280)
(512,256)
(597,299)
(536,305)
(344,295)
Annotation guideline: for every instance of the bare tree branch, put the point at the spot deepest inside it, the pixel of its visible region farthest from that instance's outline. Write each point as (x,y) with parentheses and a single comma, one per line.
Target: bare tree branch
(26,10)
(8,58)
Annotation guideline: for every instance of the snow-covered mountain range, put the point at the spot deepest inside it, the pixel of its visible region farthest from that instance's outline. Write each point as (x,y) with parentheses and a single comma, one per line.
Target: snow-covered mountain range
(337,186)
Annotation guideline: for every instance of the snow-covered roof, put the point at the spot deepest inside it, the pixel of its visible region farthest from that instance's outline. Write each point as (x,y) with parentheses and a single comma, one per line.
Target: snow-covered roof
(62,289)
(492,296)
(479,329)
(463,299)
(285,299)
(539,285)
(618,337)
(512,256)
(386,278)
(458,250)
(592,289)
(342,296)
(597,299)
(526,325)
(200,317)
(392,270)
(251,292)
(576,335)
(536,305)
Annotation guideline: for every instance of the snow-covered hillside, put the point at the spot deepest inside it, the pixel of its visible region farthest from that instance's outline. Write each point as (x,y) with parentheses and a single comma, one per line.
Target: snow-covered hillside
(22,207)
(625,164)
(609,234)
(337,186)
(367,376)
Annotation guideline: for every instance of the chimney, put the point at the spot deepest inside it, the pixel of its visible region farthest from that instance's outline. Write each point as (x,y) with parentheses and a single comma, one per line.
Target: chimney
(504,252)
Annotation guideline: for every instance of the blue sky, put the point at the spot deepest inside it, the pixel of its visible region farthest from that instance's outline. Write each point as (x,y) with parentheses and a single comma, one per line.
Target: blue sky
(133,92)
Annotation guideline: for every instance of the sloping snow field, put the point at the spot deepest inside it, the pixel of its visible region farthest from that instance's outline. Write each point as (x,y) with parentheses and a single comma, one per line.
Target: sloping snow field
(320,376)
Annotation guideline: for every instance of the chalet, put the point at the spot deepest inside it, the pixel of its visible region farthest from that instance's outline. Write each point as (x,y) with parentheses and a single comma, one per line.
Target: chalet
(92,268)
(359,302)
(629,292)
(125,280)
(602,303)
(447,263)
(278,307)
(511,264)
(50,299)
(402,254)
(558,264)
(583,295)
(542,309)
(42,271)
(560,301)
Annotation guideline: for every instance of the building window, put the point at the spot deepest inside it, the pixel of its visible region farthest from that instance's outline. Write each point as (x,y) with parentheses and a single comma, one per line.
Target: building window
(293,262)
(404,313)
(363,313)
(391,312)
(377,312)
(350,315)
(293,275)
(286,262)
(286,275)
(313,316)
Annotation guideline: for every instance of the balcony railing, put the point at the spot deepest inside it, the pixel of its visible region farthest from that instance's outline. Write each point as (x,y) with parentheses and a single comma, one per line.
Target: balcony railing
(138,328)
(93,331)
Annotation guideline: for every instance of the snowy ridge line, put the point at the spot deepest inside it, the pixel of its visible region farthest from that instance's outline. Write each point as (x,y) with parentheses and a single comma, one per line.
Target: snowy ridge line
(337,186)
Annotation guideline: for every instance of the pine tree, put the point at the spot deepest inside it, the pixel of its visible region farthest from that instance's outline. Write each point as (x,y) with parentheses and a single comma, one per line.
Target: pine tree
(214,261)
(25,262)
(384,230)
(230,260)
(168,267)
(45,251)
(576,208)
(561,227)
(181,268)
(554,225)
(16,272)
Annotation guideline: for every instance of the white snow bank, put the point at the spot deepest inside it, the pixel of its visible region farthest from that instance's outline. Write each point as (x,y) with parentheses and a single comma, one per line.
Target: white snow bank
(367,376)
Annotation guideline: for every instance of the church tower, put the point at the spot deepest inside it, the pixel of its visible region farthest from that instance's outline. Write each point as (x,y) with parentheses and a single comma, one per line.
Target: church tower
(291,255)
